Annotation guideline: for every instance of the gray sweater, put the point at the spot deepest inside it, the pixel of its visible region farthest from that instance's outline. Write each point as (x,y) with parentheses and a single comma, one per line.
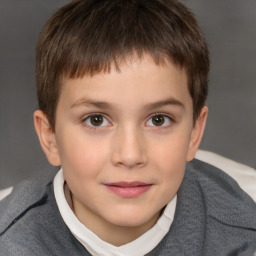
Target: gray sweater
(213,217)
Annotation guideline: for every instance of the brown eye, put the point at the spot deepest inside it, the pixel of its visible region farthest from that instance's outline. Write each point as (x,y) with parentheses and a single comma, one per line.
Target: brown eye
(96,121)
(158,120)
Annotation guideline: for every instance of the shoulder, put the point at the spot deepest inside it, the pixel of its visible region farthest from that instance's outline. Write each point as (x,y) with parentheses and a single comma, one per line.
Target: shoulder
(213,216)
(220,191)
(20,216)
(243,174)
(24,196)
(31,224)
(230,213)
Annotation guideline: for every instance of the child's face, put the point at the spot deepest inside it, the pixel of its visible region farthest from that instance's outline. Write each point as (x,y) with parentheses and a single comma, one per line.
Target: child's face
(123,139)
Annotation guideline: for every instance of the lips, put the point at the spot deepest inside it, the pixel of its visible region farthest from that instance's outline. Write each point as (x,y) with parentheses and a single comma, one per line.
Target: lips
(128,189)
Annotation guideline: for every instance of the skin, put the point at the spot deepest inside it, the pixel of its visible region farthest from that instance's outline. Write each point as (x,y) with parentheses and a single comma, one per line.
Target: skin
(127,144)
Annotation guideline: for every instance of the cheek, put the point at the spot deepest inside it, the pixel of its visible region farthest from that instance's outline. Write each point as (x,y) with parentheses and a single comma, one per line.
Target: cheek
(172,172)
(170,160)
(171,150)
(82,155)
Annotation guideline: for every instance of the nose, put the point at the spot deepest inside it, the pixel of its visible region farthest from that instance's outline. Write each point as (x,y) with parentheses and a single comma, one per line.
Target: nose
(129,149)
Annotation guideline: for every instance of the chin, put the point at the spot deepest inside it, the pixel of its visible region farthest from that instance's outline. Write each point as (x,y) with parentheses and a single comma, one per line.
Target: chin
(133,219)
(129,222)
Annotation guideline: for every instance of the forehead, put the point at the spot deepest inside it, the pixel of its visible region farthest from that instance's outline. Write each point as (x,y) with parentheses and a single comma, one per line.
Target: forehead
(137,80)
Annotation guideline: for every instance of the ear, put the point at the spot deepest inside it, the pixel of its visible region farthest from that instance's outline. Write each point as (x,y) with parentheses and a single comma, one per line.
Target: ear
(197,133)
(46,137)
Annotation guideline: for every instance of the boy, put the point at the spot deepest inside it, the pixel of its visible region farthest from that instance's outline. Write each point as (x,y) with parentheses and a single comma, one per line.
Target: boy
(122,87)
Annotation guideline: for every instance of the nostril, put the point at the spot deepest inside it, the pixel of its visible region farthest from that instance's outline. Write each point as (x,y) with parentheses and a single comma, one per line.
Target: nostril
(129,160)
(129,148)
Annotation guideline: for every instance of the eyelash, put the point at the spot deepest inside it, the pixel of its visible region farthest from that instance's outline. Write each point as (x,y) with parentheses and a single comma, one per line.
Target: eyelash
(94,127)
(166,117)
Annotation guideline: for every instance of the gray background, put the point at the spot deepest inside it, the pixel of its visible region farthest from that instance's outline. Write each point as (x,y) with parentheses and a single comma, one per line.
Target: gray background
(230,28)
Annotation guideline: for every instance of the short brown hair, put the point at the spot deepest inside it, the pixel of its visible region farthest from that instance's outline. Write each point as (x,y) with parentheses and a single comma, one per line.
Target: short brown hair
(87,37)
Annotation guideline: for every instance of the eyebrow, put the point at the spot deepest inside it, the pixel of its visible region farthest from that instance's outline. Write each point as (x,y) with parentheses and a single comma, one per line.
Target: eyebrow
(89,102)
(162,103)
(106,105)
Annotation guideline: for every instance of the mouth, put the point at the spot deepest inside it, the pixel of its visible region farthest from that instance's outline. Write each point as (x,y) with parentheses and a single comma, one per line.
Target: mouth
(128,189)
